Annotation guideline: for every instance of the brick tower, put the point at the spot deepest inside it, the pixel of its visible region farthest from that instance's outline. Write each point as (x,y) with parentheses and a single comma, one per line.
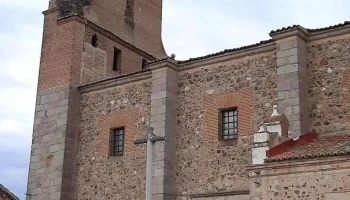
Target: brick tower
(83,41)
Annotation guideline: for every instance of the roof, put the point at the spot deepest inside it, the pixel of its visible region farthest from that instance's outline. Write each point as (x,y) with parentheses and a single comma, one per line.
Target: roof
(261,43)
(309,29)
(311,145)
(6,191)
(113,77)
(226,51)
(265,41)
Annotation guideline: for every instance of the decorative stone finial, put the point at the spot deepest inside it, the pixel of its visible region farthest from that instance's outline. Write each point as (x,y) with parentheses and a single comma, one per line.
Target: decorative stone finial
(275,111)
(173,56)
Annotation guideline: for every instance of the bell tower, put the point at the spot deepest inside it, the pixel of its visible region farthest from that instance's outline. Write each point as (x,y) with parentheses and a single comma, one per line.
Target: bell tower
(138,22)
(83,41)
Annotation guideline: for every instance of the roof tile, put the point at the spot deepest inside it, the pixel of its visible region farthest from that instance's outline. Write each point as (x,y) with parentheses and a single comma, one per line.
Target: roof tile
(330,145)
(10,194)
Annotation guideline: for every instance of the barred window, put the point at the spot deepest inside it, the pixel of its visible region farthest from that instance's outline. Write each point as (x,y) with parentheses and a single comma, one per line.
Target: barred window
(229,126)
(117,142)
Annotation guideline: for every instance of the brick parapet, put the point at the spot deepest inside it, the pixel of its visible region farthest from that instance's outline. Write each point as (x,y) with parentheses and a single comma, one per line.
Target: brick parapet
(52,162)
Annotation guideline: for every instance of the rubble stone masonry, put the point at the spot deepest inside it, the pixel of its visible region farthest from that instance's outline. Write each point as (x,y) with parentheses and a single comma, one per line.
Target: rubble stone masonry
(80,99)
(205,164)
(328,68)
(99,175)
(325,179)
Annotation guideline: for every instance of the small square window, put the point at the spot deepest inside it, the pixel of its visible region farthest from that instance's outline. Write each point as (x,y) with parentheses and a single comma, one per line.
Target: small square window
(228,126)
(117,142)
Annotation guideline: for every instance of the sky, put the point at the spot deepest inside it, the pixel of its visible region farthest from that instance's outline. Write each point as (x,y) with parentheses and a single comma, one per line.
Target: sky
(191,28)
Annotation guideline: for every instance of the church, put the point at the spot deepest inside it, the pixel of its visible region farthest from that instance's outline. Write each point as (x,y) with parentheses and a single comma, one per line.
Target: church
(268,121)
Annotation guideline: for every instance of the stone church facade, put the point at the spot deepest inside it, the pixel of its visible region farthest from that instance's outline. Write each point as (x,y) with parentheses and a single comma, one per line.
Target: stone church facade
(265,121)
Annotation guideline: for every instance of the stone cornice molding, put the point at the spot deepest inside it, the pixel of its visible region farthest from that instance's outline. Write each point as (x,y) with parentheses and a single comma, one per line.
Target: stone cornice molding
(165,63)
(229,56)
(299,166)
(297,31)
(116,81)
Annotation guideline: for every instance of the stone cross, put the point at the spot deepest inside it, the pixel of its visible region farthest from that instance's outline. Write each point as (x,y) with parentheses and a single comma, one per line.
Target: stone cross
(150,139)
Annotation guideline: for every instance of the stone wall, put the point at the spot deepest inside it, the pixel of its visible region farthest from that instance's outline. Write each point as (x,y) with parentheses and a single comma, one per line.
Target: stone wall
(101,176)
(94,64)
(328,69)
(52,161)
(308,181)
(205,164)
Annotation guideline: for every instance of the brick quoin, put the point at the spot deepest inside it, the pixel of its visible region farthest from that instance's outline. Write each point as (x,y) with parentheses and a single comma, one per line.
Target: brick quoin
(242,100)
(127,119)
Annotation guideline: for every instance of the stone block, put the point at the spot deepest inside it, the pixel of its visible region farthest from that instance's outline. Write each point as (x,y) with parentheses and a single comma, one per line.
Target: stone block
(159,95)
(288,110)
(158,118)
(61,122)
(159,81)
(292,102)
(287,52)
(296,110)
(64,102)
(285,69)
(50,112)
(56,147)
(158,103)
(280,95)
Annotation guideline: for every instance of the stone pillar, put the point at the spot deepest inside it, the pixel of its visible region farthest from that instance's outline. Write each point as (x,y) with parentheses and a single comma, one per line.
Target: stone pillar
(292,78)
(52,162)
(163,120)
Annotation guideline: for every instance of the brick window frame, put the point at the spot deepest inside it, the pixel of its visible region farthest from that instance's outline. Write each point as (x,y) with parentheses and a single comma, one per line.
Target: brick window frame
(126,119)
(213,103)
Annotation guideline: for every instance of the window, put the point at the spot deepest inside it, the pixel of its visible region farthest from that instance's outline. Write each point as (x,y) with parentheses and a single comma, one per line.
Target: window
(94,41)
(117,142)
(144,63)
(117,60)
(229,126)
